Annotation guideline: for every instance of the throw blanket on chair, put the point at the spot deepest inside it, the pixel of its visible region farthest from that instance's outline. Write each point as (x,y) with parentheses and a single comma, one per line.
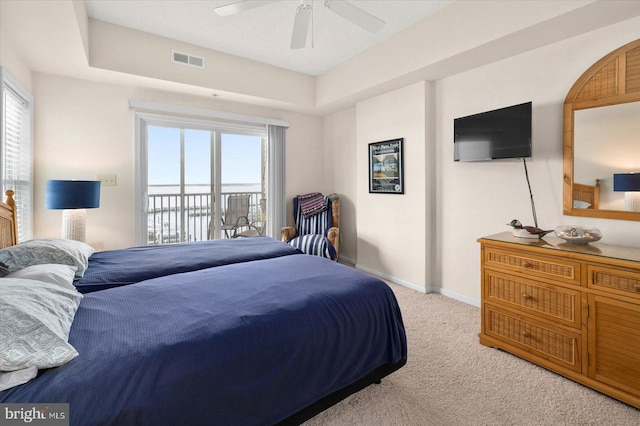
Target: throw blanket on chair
(312,204)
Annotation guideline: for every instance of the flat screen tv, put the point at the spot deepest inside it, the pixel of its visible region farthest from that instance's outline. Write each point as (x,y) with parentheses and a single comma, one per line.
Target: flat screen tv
(492,135)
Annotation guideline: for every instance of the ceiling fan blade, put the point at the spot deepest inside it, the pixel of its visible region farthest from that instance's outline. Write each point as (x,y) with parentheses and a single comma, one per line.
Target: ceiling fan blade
(241,6)
(301,27)
(356,15)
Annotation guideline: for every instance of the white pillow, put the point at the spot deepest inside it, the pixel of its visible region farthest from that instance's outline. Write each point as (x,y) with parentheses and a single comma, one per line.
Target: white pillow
(50,250)
(61,275)
(36,318)
(10,379)
(578,204)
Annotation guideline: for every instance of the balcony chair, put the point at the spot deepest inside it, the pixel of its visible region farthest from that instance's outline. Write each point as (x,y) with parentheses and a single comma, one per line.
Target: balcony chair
(316,234)
(236,217)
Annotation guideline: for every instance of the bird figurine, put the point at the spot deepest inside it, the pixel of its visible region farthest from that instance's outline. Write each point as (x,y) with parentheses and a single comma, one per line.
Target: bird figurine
(526,231)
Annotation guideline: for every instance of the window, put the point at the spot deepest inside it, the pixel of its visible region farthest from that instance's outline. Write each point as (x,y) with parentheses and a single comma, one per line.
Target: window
(200,179)
(16,150)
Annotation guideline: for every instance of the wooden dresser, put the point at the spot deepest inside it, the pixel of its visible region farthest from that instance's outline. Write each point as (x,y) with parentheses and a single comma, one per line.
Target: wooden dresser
(573,309)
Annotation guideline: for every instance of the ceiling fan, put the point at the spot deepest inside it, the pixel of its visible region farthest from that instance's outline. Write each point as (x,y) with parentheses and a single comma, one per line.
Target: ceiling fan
(303,16)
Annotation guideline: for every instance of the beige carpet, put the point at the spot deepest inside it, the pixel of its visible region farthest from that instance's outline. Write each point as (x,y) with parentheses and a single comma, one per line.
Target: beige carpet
(450,379)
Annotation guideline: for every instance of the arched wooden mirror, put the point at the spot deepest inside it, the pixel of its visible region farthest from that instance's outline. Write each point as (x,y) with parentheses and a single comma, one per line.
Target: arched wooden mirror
(602,135)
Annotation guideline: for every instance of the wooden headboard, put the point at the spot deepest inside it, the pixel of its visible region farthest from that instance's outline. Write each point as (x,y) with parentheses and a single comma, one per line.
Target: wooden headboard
(588,193)
(8,222)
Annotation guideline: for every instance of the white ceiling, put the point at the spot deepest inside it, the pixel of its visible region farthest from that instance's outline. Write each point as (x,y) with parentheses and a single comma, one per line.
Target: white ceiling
(53,37)
(263,34)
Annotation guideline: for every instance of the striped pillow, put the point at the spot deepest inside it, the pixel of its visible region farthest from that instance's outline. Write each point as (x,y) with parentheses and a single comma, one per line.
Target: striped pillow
(314,244)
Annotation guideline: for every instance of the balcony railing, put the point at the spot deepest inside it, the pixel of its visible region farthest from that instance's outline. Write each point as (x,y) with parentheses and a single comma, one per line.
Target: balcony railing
(176,218)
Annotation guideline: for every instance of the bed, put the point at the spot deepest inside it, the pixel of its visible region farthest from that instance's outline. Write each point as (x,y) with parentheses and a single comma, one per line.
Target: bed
(586,196)
(266,341)
(114,268)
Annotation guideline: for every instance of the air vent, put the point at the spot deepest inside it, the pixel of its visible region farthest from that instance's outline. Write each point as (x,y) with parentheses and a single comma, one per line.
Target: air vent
(187,59)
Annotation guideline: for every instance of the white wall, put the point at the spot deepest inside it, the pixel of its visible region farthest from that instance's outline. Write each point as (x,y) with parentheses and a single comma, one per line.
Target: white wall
(149,55)
(391,237)
(85,128)
(468,200)
(430,46)
(341,175)
(11,62)
(478,199)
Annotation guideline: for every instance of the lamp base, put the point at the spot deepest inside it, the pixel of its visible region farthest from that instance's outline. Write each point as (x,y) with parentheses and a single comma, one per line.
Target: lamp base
(632,201)
(73,224)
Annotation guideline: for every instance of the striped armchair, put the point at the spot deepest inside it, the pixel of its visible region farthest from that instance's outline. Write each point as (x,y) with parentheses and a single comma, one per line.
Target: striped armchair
(318,234)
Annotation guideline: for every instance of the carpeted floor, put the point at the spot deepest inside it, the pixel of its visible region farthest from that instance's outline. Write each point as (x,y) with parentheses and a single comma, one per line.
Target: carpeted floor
(450,379)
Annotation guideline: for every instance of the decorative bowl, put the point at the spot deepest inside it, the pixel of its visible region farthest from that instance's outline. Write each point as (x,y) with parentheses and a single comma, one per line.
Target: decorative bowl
(578,234)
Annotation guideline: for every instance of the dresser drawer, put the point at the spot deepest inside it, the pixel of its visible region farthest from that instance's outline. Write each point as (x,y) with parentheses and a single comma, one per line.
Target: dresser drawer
(548,343)
(531,264)
(625,282)
(554,303)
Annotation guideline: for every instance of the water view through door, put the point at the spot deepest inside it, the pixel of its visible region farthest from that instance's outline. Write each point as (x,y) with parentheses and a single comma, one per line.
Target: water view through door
(195,179)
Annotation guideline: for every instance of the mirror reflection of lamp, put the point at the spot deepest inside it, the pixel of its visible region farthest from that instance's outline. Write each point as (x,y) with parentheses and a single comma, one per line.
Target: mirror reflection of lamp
(629,183)
(72,197)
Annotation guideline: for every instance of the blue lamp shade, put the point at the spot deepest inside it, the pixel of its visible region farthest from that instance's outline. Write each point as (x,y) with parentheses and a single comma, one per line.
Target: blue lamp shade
(72,194)
(626,182)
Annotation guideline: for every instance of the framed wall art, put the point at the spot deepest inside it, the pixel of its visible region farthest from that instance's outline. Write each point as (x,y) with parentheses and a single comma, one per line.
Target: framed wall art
(385,167)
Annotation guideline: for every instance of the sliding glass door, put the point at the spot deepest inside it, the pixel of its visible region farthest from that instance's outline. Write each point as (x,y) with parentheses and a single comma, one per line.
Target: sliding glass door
(203,181)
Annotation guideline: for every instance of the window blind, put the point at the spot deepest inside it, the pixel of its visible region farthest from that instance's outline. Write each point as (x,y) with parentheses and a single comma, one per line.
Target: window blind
(16,156)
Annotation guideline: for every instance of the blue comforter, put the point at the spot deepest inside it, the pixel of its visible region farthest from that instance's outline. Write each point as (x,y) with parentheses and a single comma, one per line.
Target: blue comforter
(115,268)
(242,344)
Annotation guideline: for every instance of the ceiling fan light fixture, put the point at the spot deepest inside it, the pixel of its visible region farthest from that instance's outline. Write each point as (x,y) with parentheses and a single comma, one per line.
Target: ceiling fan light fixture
(304,16)
(355,15)
(301,26)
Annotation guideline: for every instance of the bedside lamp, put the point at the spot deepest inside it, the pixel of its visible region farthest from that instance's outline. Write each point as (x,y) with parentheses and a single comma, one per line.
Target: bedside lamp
(73,197)
(630,184)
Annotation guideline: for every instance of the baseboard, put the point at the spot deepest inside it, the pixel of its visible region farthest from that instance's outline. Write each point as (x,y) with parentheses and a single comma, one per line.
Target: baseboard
(347,261)
(456,296)
(408,284)
(393,279)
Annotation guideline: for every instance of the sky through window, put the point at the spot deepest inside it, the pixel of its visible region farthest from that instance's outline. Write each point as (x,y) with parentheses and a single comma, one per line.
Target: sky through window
(241,157)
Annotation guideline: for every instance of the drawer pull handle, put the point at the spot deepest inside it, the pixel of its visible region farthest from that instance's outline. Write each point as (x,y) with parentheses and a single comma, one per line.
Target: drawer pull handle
(526,334)
(527,265)
(636,287)
(526,296)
